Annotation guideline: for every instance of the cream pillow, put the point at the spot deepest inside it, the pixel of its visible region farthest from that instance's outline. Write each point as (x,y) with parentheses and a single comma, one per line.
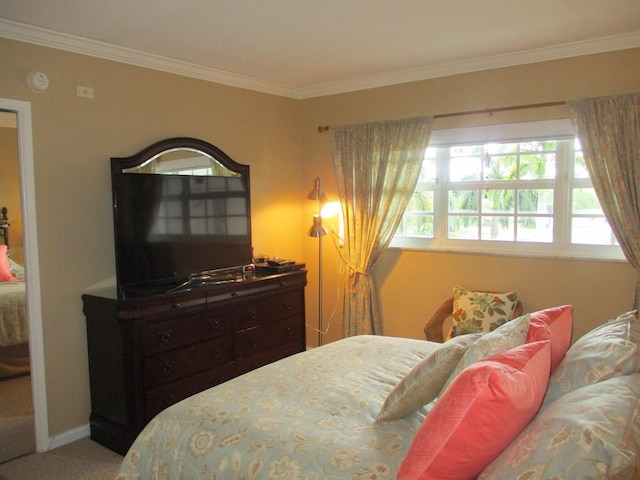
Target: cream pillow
(609,350)
(424,382)
(480,311)
(510,335)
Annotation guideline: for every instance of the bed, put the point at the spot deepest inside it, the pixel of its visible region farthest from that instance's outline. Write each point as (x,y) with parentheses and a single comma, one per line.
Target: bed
(14,327)
(319,414)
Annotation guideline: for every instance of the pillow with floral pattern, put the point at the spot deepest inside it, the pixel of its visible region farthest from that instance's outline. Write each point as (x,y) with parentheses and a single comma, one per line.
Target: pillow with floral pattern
(478,312)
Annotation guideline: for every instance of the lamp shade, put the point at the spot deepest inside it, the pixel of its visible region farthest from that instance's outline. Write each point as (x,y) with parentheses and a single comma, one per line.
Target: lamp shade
(317,229)
(317,192)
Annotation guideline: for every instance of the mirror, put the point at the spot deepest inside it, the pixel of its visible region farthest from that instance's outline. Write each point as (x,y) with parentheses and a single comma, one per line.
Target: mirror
(181,211)
(180,156)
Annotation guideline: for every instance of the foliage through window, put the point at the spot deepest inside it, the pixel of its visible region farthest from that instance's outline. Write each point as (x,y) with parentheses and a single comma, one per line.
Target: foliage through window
(530,197)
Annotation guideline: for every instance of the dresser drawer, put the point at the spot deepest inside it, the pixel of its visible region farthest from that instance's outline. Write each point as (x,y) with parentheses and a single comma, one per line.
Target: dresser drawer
(174,333)
(169,366)
(157,399)
(174,305)
(259,312)
(270,355)
(266,336)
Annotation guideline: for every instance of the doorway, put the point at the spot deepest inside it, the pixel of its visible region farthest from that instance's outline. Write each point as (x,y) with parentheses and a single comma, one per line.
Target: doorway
(21,112)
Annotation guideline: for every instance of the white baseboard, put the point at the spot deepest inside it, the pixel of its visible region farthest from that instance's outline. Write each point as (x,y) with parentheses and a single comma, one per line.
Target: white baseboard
(69,436)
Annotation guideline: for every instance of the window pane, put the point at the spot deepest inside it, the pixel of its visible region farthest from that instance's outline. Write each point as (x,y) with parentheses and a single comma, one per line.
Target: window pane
(498,201)
(501,167)
(463,227)
(535,201)
(416,225)
(497,228)
(464,169)
(535,229)
(592,231)
(579,165)
(585,201)
(464,201)
(538,166)
(421,201)
(428,171)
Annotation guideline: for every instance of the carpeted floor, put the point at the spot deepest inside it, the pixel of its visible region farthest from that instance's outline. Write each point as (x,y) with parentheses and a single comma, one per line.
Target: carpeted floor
(80,460)
(17,435)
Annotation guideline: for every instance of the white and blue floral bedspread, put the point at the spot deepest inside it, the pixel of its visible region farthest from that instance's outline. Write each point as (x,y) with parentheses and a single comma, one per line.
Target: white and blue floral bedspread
(310,416)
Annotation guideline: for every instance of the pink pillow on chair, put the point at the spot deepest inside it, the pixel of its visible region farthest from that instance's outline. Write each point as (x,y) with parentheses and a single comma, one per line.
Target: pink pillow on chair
(481,412)
(5,272)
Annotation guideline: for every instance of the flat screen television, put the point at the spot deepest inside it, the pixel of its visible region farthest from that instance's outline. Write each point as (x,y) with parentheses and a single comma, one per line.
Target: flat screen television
(171,227)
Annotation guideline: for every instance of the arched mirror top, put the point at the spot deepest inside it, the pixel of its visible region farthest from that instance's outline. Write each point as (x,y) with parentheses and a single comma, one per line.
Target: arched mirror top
(181,156)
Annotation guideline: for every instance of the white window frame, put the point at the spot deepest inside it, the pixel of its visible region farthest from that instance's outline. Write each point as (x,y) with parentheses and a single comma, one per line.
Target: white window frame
(560,129)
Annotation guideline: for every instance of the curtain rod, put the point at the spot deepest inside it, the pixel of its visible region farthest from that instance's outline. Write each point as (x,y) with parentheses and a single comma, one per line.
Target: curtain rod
(490,111)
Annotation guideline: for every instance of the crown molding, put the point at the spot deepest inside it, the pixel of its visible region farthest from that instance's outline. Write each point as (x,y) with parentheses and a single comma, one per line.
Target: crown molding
(523,57)
(71,43)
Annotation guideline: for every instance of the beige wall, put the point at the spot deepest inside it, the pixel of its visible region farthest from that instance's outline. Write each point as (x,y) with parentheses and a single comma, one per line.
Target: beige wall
(277,137)
(413,284)
(73,139)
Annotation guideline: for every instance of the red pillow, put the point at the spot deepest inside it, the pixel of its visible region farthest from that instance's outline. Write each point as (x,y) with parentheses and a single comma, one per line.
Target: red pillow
(559,320)
(481,412)
(5,272)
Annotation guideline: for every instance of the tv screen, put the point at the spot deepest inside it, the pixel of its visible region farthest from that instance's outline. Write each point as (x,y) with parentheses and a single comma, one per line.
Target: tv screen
(168,227)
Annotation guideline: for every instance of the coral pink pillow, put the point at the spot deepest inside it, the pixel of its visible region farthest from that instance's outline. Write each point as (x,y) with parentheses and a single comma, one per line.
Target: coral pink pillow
(481,412)
(5,272)
(559,320)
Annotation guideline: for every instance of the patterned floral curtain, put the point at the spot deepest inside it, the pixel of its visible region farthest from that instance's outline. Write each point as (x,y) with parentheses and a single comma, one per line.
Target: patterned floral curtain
(377,167)
(609,130)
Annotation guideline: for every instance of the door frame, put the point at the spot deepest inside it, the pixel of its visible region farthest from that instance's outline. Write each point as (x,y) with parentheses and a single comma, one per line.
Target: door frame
(32,266)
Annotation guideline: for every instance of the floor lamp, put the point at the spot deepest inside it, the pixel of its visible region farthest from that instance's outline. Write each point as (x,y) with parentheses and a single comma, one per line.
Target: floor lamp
(318,231)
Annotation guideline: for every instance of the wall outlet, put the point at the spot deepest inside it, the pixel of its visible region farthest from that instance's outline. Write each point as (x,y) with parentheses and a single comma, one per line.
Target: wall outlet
(84,92)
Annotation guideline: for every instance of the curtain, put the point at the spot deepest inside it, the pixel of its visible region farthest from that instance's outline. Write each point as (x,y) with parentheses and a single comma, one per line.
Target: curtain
(609,130)
(377,167)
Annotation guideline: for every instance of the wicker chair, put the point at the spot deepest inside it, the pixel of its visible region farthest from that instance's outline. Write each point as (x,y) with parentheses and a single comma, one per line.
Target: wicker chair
(433,328)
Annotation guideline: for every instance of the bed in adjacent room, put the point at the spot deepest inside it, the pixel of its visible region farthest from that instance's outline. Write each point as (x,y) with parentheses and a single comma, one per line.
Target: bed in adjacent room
(14,325)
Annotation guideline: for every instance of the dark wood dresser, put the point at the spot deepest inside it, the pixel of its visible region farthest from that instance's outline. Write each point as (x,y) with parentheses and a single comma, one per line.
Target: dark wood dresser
(148,353)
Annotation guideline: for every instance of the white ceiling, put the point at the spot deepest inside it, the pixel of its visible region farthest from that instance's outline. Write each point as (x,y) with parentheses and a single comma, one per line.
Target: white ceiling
(304,48)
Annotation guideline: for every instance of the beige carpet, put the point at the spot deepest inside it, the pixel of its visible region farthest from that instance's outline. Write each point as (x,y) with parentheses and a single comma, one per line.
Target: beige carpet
(80,460)
(17,435)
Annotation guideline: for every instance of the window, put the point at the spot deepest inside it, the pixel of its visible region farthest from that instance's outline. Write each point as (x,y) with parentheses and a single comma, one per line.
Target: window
(522,194)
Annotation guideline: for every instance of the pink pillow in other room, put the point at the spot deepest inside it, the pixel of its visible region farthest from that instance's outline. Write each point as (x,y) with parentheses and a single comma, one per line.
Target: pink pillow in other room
(5,272)
(559,320)
(480,413)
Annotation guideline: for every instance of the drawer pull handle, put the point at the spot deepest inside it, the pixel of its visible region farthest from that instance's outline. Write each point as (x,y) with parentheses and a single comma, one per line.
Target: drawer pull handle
(215,352)
(283,283)
(175,305)
(234,294)
(288,305)
(166,368)
(253,341)
(214,324)
(288,330)
(168,398)
(165,337)
(251,314)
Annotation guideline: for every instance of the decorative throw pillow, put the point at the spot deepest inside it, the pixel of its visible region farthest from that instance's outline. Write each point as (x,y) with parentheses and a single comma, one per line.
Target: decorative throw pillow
(592,432)
(607,351)
(5,272)
(510,335)
(480,311)
(558,321)
(424,382)
(483,410)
